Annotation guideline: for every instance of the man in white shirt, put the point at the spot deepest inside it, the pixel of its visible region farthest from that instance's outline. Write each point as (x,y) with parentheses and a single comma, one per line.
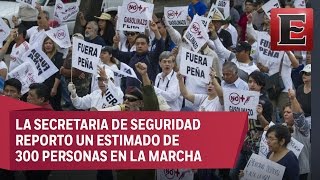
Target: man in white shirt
(19,48)
(36,34)
(231,78)
(166,83)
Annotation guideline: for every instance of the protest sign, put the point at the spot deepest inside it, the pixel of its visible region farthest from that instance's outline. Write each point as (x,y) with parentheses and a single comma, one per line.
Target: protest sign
(214,10)
(64,12)
(135,15)
(26,74)
(261,168)
(40,61)
(241,101)
(175,174)
(205,21)
(196,34)
(195,65)
(299,4)
(4,30)
(60,36)
(85,55)
(294,145)
(176,16)
(125,71)
(31,3)
(264,48)
(270,5)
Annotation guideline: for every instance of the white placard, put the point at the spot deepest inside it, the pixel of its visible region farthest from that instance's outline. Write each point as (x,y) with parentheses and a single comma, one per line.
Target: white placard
(224,7)
(176,16)
(195,65)
(299,3)
(264,48)
(135,15)
(85,56)
(196,34)
(241,101)
(4,30)
(270,5)
(261,168)
(60,36)
(64,12)
(31,3)
(174,174)
(41,62)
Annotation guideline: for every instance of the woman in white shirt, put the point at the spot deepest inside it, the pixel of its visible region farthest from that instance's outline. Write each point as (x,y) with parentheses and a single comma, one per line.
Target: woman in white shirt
(212,101)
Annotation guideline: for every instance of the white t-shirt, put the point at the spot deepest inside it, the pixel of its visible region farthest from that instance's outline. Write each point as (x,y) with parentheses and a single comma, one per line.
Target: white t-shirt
(16,54)
(94,81)
(35,36)
(205,104)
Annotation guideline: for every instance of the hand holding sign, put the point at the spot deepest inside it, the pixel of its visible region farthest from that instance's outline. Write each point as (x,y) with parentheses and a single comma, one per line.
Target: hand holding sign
(180,76)
(72,90)
(141,68)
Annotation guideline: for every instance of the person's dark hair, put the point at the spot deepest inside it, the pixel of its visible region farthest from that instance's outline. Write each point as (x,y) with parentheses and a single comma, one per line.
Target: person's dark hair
(258,77)
(108,33)
(161,22)
(14,83)
(249,1)
(143,36)
(281,132)
(109,50)
(288,104)
(41,90)
(22,30)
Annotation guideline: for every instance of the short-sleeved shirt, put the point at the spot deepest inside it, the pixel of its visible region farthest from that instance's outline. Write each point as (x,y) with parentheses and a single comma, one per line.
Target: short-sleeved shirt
(205,104)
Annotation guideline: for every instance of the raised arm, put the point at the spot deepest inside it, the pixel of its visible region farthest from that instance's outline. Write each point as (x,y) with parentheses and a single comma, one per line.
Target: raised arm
(184,92)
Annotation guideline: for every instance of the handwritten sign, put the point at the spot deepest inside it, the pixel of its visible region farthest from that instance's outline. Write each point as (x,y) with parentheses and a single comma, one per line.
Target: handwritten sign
(176,16)
(135,15)
(196,34)
(195,65)
(241,101)
(261,168)
(60,35)
(64,12)
(85,55)
(270,5)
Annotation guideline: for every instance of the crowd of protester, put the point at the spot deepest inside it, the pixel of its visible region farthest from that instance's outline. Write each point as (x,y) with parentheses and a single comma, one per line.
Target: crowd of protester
(155,57)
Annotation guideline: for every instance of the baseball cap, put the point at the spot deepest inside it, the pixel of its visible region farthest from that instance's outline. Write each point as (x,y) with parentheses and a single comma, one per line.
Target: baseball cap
(242,45)
(306,69)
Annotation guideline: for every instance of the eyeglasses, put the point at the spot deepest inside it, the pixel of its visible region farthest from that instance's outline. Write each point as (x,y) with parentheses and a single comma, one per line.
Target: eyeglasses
(307,73)
(130,33)
(130,99)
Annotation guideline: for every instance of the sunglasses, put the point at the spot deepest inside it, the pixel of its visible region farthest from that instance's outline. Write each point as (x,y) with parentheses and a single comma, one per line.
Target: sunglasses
(39,17)
(130,33)
(130,99)
(307,73)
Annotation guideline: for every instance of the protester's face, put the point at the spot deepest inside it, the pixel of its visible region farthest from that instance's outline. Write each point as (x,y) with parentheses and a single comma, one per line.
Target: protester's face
(253,86)
(308,57)
(102,85)
(273,142)
(34,99)
(249,7)
(105,56)
(12,92)
(48,46)
(42,20)
(166,65)
(229,76)
(161,28)
(241,56)
(306,77)
(89,32)
(102,24)
(211,89)
(288,116)
(132,103)
(141,45)
(131,36)
(217,25)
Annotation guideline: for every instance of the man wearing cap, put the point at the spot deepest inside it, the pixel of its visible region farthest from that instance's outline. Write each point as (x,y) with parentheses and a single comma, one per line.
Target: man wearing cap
(224,35)
(304,91)
(108,94)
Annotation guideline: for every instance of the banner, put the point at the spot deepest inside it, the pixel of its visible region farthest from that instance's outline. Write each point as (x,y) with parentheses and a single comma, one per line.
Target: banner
(241,101)
(175,174)
(195,65)
(4,30)
(40,61)
(264,48)
(135,15)
(176,16)
(294,145)
(60,36)
(270,5)
(196,34)
(214,10)
(39,140)
(299,3)
(31,3)
(85,56)
(125,71)
(261,168)
(64,12)
(26,74)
